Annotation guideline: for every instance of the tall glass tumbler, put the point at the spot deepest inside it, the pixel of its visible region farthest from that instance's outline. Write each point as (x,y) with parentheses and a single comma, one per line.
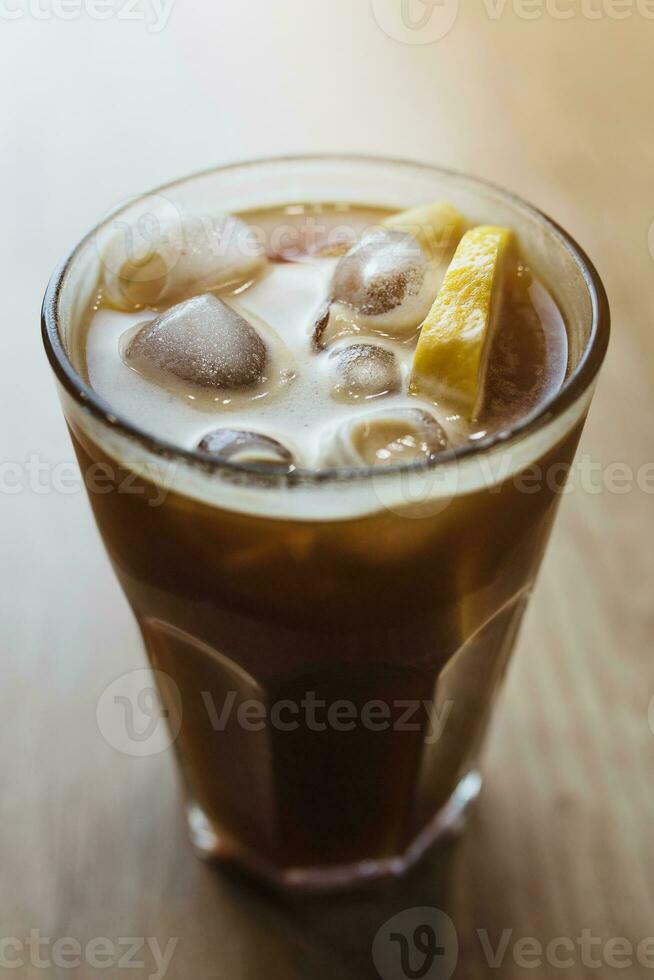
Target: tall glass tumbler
(332,642)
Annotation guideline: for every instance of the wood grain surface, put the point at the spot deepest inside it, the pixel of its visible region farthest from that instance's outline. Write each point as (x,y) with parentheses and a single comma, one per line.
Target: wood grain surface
(92,842)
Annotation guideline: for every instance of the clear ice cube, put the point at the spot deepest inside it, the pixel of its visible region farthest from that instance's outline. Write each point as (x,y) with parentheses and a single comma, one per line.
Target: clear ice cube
(387,438)
(171,259)
(363,371)
(380,272)
(240,446)
(385,285)
(201,341)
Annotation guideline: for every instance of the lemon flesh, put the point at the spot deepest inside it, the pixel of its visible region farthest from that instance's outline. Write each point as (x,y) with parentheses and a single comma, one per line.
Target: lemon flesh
(450,358)
(437,226)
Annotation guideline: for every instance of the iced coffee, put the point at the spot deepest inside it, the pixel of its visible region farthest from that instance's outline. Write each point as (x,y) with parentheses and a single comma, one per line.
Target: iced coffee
(326,410)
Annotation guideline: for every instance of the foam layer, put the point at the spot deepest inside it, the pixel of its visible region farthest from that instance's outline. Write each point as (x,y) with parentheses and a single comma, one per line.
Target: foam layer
(288,298)
(302,414)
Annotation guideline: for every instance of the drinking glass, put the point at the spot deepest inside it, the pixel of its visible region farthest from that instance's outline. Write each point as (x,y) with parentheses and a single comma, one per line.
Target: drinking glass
(329,645)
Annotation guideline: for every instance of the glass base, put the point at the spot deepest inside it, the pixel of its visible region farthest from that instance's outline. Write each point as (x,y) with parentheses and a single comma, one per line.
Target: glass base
(212,845)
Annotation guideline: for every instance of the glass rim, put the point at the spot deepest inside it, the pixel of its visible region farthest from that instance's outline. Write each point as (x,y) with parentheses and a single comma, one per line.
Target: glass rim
(572,388)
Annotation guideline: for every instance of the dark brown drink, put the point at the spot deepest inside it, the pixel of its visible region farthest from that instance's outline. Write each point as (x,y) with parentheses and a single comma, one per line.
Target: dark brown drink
(337,636)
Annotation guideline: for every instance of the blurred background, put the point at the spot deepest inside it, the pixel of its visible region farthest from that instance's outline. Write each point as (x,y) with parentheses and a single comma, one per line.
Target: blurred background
(553,99)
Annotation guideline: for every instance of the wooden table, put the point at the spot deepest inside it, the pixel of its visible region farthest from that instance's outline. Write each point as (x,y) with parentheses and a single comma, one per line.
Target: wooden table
(92,841)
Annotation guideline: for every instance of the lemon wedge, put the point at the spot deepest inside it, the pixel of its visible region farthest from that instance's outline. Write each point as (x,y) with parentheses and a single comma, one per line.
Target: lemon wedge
(437,226)
(454,338)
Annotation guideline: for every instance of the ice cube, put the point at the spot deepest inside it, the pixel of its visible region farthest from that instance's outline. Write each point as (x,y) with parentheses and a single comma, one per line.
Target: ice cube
(384,285)
(166,259)
(201,341)
(240,446)
(321,323)
(387,438)
(364,371)
(379,272)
